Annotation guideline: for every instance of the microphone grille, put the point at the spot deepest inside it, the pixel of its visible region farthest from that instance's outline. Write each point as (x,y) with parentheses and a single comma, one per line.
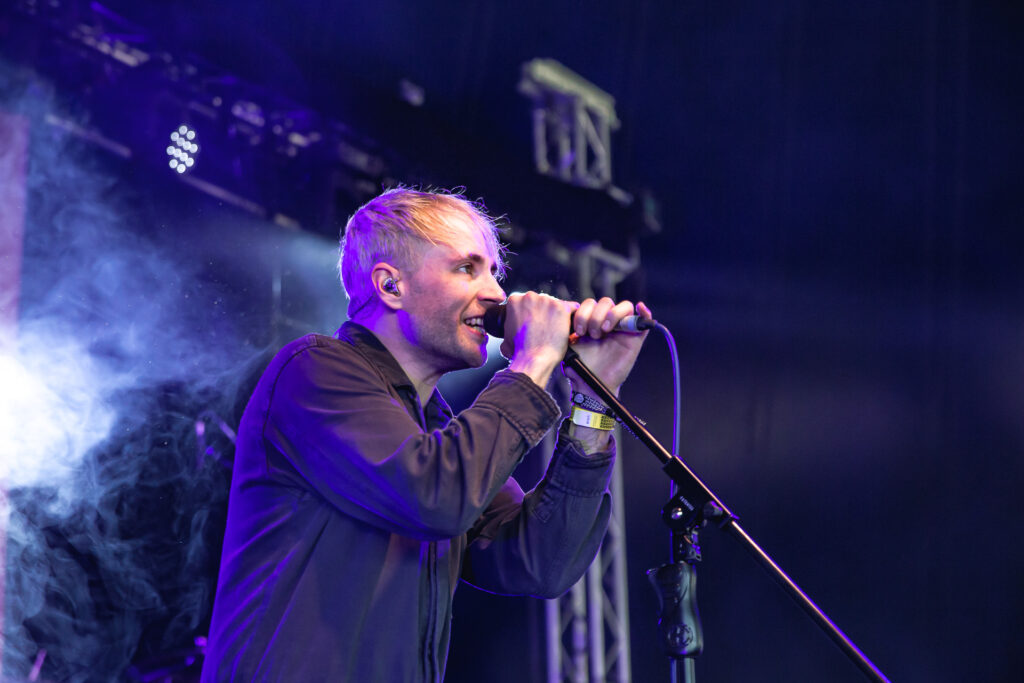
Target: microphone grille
(494,321)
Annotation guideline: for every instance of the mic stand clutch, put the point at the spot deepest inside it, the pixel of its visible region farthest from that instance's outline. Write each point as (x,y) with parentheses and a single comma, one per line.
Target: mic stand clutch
(682,637)
(692,506)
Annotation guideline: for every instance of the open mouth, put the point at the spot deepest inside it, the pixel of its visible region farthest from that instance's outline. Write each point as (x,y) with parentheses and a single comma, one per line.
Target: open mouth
(476,324)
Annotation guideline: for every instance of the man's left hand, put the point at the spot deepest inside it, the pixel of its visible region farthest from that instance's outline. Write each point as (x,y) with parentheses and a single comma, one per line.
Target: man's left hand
(610,355)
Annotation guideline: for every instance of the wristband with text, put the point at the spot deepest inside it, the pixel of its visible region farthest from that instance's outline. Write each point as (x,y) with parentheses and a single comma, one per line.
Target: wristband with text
(590,403)
(588,418)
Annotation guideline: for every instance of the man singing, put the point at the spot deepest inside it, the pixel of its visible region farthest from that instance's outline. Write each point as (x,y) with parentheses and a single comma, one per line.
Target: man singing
(358,500)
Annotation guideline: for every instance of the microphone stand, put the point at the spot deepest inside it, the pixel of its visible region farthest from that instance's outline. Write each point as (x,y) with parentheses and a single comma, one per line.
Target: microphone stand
(693,506)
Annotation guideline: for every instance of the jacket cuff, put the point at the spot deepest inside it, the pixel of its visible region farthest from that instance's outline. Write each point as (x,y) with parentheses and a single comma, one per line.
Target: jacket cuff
(518,399)
(579,473)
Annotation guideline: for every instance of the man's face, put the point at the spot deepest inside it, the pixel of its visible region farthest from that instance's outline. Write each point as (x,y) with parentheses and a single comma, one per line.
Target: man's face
(446,297)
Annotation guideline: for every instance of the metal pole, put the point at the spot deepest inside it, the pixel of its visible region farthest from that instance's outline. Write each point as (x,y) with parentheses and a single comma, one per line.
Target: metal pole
(595,618)
(704,504)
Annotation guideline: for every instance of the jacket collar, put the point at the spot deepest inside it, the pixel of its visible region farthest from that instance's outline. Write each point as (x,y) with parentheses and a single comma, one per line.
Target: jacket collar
(367,343)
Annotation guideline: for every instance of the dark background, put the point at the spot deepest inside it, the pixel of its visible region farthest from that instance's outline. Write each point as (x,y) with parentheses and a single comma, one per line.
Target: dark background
(839,260)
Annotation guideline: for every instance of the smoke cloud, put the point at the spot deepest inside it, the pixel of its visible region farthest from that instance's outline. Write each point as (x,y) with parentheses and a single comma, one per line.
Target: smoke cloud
(114,520)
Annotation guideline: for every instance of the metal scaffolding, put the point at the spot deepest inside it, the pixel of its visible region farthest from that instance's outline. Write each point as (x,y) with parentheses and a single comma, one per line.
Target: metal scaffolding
(572,124)
(588,628)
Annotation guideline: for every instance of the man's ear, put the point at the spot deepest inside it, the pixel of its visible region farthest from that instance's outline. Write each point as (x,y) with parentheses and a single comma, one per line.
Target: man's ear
(387,285)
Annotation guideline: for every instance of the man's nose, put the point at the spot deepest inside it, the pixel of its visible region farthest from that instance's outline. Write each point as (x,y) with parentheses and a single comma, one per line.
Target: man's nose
(492,291)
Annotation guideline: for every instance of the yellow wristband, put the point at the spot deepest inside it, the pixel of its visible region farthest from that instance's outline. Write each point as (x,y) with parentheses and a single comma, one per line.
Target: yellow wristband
(588,418)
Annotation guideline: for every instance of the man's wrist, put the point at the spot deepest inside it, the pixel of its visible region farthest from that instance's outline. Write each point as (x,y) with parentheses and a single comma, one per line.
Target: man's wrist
(584,388)
(536,365)
(591,440)
(590,402)
(597,419)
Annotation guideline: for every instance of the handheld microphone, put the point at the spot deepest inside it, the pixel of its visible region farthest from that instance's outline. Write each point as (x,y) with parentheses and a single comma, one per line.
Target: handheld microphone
(494,322)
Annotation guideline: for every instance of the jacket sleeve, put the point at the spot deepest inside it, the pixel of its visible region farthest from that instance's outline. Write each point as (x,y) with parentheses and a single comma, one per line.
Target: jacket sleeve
(332,425)
(542,542)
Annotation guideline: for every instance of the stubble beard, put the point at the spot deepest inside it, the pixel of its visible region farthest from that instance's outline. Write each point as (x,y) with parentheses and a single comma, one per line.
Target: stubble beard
(449,346)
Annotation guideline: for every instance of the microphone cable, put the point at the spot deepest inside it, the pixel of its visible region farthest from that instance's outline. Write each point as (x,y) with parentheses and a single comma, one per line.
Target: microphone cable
(676,427)
(676,393)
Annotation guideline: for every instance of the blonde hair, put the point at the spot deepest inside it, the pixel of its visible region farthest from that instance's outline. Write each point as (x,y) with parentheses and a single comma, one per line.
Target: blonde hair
(394,226)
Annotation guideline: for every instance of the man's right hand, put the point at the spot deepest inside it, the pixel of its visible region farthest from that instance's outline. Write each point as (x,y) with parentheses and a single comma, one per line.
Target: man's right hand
(536,334)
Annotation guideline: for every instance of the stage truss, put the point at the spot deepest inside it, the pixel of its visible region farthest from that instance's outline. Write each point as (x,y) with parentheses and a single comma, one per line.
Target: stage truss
(587,629)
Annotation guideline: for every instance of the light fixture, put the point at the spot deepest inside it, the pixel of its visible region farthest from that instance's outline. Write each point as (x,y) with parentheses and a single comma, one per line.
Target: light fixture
(183,149)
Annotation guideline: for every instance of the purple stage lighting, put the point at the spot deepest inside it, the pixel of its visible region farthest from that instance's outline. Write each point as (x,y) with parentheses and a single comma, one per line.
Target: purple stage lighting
(183,149)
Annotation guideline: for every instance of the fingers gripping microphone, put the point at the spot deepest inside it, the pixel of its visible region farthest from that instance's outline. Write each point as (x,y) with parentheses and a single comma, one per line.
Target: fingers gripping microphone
(494,322)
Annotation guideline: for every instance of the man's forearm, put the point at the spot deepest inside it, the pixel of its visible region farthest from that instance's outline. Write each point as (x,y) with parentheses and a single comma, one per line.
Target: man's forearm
(537,366)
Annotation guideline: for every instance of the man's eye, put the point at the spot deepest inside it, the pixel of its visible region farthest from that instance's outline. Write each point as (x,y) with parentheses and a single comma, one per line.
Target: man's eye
(466,267)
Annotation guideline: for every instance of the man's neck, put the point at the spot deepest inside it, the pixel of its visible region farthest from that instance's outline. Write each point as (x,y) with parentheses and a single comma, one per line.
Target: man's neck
(424,379)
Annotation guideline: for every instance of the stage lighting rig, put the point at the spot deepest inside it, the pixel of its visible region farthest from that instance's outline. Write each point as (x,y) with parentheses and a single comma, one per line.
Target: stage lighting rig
(95,27)
(295,130)
(572,124)
(127,91)
(183,149)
